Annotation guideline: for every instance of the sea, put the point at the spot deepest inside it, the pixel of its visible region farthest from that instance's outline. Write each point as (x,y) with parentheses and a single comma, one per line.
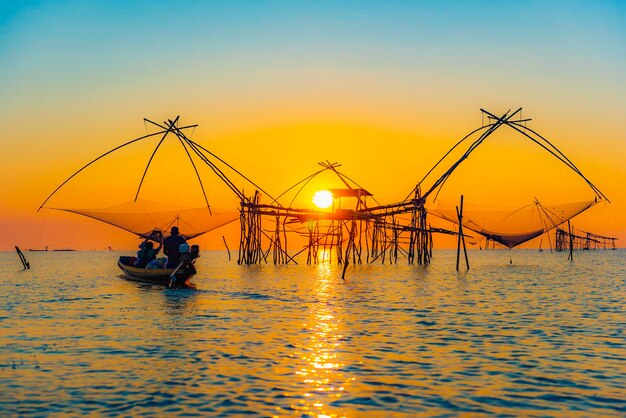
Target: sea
(522,333)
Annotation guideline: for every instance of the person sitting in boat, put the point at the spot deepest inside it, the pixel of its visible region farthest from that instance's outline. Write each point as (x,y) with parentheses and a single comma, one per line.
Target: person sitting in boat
(157,263)
(171,247)
(187,257)
(147,253)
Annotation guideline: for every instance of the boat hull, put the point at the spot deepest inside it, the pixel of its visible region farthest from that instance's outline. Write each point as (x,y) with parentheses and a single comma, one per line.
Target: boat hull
(158,276)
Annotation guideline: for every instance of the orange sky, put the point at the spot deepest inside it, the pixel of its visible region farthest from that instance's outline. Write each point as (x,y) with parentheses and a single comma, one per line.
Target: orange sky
(386,162)
(276,97)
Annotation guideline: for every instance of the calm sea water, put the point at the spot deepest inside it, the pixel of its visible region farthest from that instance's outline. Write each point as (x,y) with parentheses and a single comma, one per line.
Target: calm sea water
(521,333)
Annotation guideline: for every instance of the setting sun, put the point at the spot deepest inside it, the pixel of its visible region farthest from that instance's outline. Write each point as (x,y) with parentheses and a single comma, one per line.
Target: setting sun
(323,199)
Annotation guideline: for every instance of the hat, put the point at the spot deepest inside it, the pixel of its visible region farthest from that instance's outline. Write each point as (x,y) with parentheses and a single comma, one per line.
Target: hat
(183,248)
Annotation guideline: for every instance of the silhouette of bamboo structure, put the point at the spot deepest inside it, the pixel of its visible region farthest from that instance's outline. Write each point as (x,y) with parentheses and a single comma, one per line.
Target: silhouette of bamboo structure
(361,233)
(582,241)
(384,232)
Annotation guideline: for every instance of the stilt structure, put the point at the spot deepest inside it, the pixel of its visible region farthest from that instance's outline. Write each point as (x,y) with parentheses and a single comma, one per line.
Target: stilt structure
(349,231)
(582,241)
(491,244)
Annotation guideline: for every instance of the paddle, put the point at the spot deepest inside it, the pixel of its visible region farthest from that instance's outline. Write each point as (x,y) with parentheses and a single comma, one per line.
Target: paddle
(173,275)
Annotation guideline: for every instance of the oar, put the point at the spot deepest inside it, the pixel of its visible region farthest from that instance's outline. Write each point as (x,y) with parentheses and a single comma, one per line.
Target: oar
(173,275)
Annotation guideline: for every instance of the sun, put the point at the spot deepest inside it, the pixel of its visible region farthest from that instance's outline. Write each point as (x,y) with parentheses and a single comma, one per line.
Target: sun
(323,199)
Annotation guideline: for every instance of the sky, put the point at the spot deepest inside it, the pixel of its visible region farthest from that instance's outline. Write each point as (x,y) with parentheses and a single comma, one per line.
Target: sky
(384,88)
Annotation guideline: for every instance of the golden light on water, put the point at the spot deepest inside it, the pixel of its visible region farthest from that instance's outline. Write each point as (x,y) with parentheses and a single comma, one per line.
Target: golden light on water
(321,371)
(323,199)
(324,257)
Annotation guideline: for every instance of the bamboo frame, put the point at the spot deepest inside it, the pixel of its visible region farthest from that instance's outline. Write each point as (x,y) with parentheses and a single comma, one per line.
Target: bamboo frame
(381,233)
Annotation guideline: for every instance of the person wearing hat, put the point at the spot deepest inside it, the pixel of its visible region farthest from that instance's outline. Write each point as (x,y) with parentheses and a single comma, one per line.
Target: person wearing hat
(171,247)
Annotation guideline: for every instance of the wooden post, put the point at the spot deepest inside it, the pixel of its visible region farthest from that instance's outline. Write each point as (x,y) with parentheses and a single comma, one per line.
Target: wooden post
(571,242)
(242,233)
(227,249)
(459,214)
(465,252)
(351,237)
(461,239)
(25,263)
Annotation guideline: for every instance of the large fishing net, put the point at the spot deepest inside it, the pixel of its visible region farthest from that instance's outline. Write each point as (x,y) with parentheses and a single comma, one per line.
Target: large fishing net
(511,226)
(145,217)
(506,172)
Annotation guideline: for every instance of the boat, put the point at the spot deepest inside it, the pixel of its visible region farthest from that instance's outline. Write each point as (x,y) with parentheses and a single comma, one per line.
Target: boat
(157,276)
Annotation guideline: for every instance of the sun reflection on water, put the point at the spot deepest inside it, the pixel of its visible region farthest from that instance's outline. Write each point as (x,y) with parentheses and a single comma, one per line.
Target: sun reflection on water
(505,340)
(324,380)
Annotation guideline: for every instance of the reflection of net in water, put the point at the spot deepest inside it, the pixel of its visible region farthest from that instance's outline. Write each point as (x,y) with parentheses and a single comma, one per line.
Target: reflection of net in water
(142,217)
(510,226)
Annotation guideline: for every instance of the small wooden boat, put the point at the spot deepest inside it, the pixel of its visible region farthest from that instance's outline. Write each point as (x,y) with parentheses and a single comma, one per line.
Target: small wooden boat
(158,276)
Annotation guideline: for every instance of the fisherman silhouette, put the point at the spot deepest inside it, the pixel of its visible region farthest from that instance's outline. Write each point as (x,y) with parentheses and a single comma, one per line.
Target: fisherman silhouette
(171,247)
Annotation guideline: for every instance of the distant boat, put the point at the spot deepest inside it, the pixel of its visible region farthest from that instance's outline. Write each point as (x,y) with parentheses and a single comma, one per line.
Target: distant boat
(46,249)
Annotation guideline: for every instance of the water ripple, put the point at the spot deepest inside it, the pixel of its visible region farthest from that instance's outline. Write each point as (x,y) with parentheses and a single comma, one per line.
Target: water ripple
(540,337)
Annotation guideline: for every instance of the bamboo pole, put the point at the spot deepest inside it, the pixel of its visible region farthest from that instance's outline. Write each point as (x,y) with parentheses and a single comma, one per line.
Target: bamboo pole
(226,245)
(571,242)
(25,263)
(461,239)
